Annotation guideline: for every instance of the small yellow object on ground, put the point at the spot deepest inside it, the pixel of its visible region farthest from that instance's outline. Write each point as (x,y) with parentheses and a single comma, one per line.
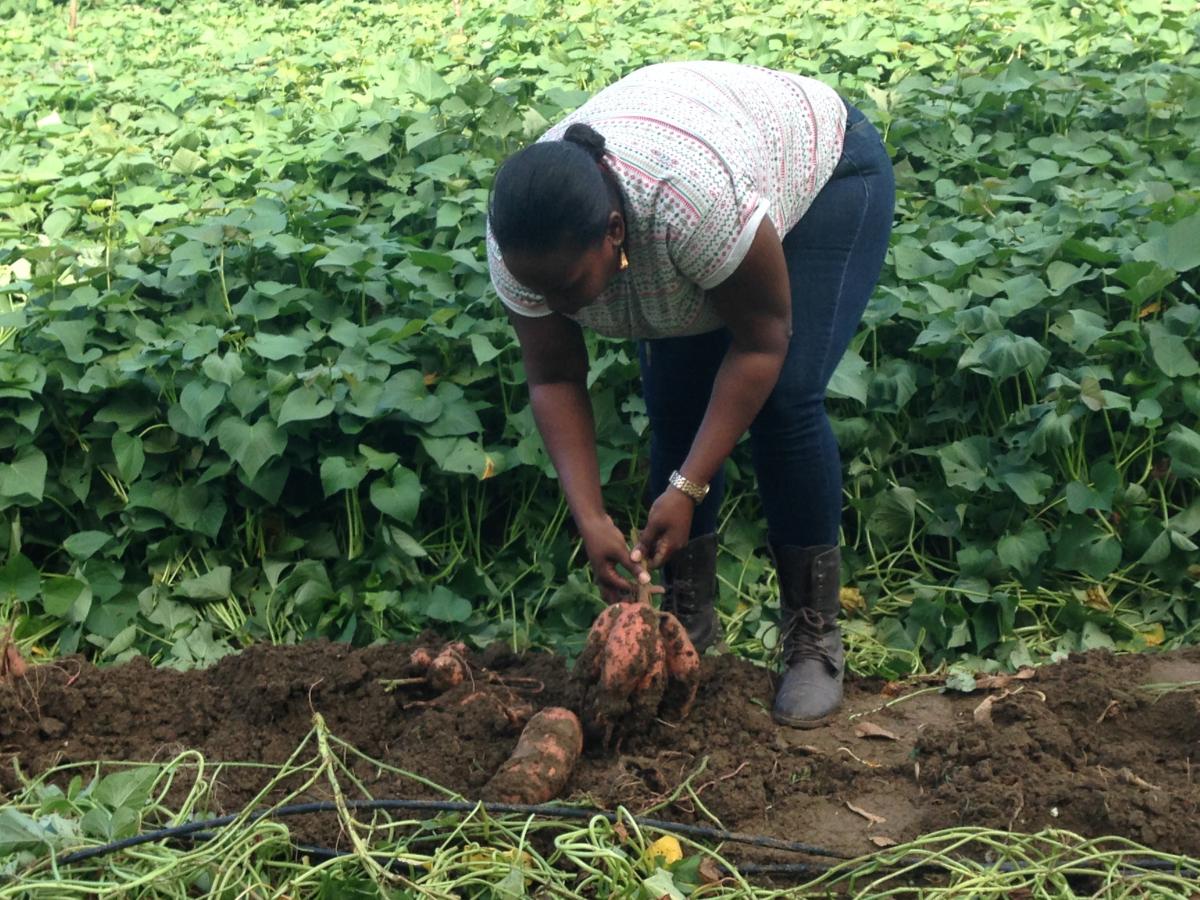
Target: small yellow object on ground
(664,851)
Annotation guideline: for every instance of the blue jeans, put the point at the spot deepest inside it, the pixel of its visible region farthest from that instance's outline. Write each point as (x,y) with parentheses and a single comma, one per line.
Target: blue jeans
(834,256)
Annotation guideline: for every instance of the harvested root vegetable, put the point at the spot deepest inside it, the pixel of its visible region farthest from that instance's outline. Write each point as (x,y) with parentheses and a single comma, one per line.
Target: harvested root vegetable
(683,668)
(629,650)
(443,670)
(12,663)
(542,763)
(638,663)
(449,668)
(421,658)
(592,658)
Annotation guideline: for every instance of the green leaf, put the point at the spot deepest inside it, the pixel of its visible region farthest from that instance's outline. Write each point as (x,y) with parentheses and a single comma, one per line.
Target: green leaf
(1021,551)
(18,830)
(460,455)
(1083,546)
(66,598)
(126,789)
(483,349)
(58,223)
(377,461)
(1081,498)
(1175,246)
(398,495)
(343,257)
(341,474)
(849,380)
(187,162)
(1044,170)
(251,446)
(444,605)
(406,392)
(84,544)
(1029,485)
(1183,446)
(304,404)
(371,146)
(661,885)
(19,579)
(963,463)
(130,455)
(25,476)
(212,585)
(200,400)
(1002,354)
(406,543)
(278,346)
(223,369)
(1170,352)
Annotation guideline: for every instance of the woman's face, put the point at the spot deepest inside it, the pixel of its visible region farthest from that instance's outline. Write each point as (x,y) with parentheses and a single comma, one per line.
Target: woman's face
(567,277)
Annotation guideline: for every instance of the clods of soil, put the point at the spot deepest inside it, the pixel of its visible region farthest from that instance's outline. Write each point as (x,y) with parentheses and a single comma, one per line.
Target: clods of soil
(1081,745)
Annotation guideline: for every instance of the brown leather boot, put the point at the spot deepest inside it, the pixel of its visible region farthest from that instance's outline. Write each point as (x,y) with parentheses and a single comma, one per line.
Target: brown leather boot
(810,588)
(690,578)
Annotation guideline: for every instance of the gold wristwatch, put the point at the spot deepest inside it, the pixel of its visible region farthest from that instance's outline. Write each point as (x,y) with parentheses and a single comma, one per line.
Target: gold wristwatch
(696,491)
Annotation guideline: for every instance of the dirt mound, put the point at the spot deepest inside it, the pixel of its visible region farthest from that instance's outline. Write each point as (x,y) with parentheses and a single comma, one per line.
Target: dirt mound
(1082,745)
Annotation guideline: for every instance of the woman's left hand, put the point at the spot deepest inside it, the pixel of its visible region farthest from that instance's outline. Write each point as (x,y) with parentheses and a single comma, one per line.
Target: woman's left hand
(667,528)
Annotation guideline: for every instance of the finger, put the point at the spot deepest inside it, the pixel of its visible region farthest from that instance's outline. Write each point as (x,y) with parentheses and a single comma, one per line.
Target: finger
(614,581)
(662,552)
(633,563)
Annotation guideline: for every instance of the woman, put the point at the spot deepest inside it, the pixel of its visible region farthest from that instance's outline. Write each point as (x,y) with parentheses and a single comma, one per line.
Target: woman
(734,221)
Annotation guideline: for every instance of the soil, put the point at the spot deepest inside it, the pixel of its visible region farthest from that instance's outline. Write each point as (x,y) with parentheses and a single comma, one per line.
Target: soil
(1079,746)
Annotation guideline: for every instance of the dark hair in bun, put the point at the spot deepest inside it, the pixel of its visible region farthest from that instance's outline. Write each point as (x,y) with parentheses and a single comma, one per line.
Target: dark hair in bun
(550,193)
(586,137)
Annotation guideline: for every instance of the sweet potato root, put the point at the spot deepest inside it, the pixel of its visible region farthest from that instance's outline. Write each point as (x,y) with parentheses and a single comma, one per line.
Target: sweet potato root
(542,762)
(449,668)
(588,666)
(683,667)
(629,651)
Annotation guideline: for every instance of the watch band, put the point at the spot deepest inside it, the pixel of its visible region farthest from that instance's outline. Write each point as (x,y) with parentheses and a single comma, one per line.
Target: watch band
(696,491)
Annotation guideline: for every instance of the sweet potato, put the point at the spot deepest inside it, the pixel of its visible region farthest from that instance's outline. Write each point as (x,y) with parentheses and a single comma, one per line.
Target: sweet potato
(449,668)
(683,667)
(421,658)
(588,666)
(648,693)
(542,763)
(629,650)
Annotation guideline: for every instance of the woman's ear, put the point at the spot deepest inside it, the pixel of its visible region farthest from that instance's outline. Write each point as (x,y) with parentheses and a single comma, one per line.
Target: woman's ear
(616,228)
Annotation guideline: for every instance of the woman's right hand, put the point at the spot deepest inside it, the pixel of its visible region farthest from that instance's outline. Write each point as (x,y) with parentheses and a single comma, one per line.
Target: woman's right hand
(606,549)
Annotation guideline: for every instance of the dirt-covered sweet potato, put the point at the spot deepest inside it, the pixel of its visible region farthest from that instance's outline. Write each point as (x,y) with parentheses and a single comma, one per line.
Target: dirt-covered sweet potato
(449,668)
(590,661)
(542,763)
(629,651)
(683,667)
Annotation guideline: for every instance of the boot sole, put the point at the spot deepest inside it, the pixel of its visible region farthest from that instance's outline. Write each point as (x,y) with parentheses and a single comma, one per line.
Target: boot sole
(803,723)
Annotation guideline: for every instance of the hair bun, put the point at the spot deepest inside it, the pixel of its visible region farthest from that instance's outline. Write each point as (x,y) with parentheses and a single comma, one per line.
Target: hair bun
(588,138)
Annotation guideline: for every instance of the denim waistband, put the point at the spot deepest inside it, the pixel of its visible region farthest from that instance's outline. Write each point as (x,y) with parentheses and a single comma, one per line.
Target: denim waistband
(854,116)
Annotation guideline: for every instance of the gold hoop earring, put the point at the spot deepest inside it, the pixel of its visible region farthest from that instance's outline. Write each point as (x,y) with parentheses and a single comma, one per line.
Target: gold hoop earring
(624,264)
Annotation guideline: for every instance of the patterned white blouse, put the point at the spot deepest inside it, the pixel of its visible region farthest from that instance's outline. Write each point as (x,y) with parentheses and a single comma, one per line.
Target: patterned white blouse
(702,151)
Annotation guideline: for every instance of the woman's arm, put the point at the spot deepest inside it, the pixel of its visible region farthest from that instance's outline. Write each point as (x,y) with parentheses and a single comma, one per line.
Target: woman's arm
(755,304)
(556,366)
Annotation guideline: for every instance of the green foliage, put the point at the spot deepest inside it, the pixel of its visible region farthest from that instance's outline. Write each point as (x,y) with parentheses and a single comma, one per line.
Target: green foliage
(256,384)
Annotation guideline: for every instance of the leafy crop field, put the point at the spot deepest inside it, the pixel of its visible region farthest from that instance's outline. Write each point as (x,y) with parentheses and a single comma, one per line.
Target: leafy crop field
(255,387)
(256,384)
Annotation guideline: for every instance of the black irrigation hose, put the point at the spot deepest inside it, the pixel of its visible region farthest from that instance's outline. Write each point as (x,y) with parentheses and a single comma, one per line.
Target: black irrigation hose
(557,812)
(199,831)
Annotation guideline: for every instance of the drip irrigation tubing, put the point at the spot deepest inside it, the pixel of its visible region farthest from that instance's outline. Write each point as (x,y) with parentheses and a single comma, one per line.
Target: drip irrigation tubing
(201,831)
(548,811)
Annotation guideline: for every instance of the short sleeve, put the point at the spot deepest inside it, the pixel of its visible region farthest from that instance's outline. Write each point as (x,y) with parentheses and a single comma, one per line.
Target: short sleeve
(719,235)
(517,298)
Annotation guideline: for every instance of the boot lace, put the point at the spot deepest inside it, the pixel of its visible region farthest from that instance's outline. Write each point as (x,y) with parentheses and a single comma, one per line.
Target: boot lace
(802,638)
(680,597)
